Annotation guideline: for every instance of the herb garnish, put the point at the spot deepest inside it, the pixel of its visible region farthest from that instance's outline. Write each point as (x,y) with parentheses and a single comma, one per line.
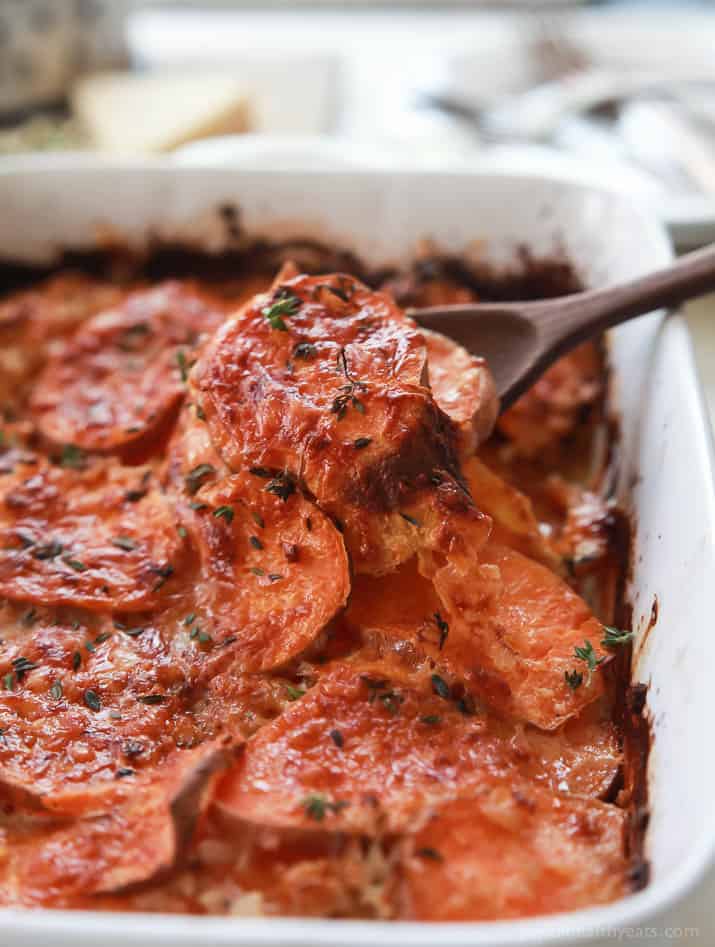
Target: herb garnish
(443,628)
(410,519)
(316,806)
(223,513)
(152,698)
(22,666)
(8,681)
(285,305)
(347,394)
(56,690)
(48,551)
(440,687)
(586,654)
(430,853)
(183,365)
(337,738)
(73,457)
(361,442)
(431,720)
(91,699)
(76,660)
(258,519)
(74,564)
(294,693)
(282,486)
(123,771)
(304,350)
(574,679)
(197,475)
(262,472)
(124,542)
(614,637)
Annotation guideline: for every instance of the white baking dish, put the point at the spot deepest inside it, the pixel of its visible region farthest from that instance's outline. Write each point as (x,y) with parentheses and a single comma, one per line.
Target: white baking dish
(666,453)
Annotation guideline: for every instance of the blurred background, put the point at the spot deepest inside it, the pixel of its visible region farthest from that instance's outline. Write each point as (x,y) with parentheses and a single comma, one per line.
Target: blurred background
(620,93)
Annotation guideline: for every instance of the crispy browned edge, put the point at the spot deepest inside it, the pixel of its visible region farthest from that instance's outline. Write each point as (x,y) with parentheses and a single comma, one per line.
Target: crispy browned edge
(527,277)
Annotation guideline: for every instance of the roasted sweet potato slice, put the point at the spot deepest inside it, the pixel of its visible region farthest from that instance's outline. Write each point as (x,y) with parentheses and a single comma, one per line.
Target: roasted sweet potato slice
(323,379)
(509,852)
(515,628)
(463,388)
(116,381)
(371,745)
(94,538)
(551,409)
(138,840)
(501,623)
(514,522)
(274,569)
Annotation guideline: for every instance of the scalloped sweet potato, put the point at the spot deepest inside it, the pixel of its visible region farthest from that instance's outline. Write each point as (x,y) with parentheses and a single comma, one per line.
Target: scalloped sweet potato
(85,537)
(116,381)
(510,852)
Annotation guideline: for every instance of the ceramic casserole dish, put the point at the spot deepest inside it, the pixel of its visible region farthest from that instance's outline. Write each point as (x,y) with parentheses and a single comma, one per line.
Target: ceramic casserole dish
(664,476)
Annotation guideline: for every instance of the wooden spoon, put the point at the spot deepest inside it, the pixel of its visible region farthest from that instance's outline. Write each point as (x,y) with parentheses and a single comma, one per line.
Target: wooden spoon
(520,340)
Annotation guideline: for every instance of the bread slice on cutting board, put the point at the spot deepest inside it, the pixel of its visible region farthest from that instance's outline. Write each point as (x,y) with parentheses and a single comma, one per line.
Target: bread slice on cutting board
(126,113)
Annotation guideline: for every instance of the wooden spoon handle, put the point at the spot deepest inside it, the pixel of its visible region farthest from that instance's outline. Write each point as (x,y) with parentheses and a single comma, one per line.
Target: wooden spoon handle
(565,322)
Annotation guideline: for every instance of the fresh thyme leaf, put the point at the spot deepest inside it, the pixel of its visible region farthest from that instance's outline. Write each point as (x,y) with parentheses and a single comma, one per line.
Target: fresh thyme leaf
(410,519)
(430,853)
(255,542)
(76,660)
(440,687)
(8,681)
(204,637)
(316,806)
(89,645)
(181,530)
(294,693)
(262,472)
(574,679)
(282,486)
(124,771)
(133,632)
(362,442)
(615,637)
(105,636)
(200,413)
(258,520)
(91,699)
(152,698)
(431,720)
(72,457)
(224,513)
(195,505)
(257,571)
(286,305)
(74,564)
(586,654)
(182,363)
(22,666)
(197,475)
(124,542)
(56,690)
(391,701)
(274,576)
(337,738)
(442,627)
(190,619)
(29,618)
(48,551)
(304,350)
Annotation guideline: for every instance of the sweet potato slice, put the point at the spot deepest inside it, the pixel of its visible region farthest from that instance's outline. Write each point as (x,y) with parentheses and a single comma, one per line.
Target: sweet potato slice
(512,852)
(323,379)
(94,538)
(371,745)
(514,631)
(116,381)
(463,388)
(274,569)
(514,522)
(551,409)
(138,840)
(502,624)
